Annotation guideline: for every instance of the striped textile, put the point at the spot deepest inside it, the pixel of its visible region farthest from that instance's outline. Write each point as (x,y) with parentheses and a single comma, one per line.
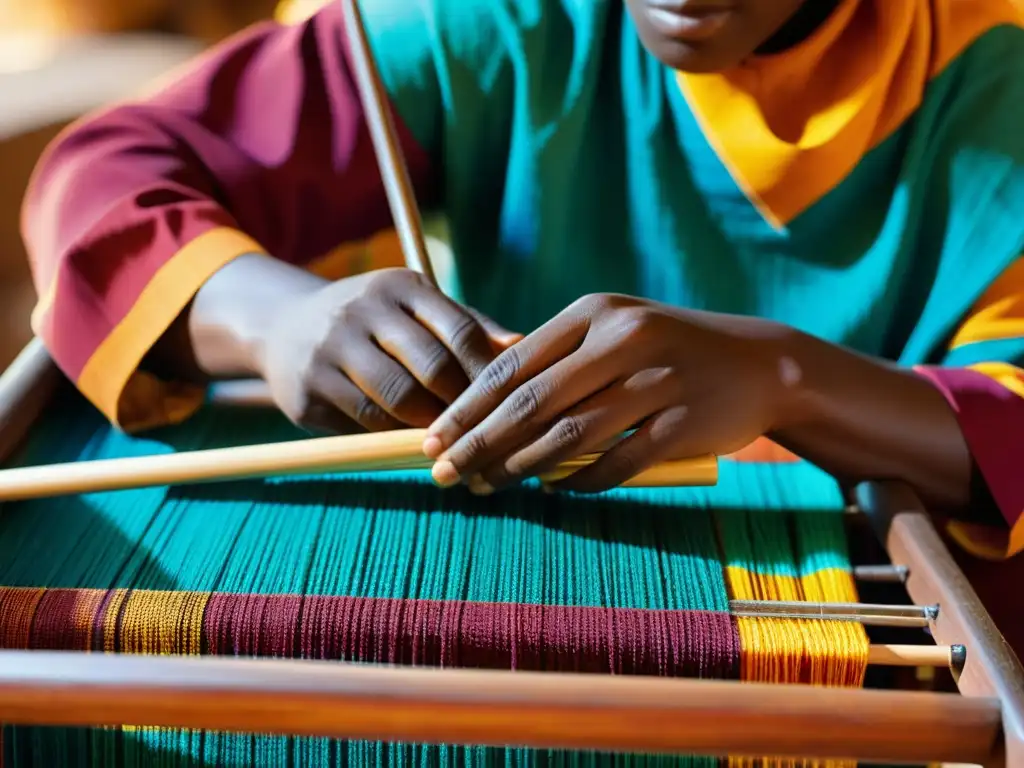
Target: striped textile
(391,569)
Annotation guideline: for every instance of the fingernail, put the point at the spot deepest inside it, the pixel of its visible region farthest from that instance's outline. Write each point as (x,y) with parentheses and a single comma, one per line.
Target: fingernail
(432,447)
(445,474)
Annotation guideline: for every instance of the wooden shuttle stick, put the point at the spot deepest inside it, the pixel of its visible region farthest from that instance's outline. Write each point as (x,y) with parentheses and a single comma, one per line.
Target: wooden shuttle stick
(382,451)
(390,160)
(943,656)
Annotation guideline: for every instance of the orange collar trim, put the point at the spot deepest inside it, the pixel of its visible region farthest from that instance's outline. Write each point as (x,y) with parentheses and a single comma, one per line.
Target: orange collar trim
(790,127)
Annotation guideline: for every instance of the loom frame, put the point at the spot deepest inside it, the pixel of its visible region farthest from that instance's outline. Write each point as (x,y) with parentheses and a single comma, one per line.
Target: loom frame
(984,724)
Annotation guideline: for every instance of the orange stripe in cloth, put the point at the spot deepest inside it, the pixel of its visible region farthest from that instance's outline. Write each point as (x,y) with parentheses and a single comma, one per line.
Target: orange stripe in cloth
(162,622)
(18,608)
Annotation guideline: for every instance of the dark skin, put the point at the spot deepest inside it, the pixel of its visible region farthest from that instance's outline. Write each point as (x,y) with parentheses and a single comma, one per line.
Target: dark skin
(387,350)
(732,29)
(378,351)
(692,383)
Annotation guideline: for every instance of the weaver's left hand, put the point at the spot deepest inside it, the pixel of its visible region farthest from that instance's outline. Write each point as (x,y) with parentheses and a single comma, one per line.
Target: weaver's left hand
(689,382)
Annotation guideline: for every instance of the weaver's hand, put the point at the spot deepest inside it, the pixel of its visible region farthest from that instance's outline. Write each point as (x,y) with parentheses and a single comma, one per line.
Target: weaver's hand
(690,382)
(385,350)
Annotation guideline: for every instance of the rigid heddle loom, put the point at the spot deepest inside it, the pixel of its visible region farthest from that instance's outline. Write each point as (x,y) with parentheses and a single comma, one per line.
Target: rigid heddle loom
(156,623)
(391,569)
(226,593)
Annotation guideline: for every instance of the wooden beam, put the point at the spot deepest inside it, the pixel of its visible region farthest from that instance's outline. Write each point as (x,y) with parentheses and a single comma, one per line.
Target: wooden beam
(539,710)
(991,668)
(26,388)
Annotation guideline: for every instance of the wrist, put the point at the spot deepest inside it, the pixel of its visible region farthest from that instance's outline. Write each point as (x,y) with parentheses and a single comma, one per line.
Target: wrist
(859,417)
(806,370)
(786,360)
(235,312)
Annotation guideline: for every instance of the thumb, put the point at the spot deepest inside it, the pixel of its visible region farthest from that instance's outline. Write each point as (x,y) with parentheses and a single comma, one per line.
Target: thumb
(501,338)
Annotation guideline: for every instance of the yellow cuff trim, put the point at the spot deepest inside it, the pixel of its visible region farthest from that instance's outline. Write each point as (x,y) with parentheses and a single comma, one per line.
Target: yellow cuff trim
(111,380)
(987,543)
(1009,376)
(380,251)
(999,313)
(1016,544)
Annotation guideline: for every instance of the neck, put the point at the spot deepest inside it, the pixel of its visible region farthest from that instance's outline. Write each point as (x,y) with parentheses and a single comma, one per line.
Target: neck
(801,25)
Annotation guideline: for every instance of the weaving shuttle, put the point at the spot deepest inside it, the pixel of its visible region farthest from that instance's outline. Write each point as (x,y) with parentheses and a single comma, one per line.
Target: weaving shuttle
(350,454)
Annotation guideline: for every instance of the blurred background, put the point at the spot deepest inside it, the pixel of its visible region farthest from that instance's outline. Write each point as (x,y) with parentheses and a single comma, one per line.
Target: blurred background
(62,58)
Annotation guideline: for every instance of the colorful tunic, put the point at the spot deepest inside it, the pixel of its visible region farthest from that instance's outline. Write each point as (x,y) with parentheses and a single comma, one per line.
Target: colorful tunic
(866,186)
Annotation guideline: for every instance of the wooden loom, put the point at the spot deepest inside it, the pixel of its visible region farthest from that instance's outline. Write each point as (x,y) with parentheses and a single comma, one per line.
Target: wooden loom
(984,724)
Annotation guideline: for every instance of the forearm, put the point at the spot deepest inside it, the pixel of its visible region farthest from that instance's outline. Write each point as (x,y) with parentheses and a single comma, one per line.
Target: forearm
(861,418)
(135,209)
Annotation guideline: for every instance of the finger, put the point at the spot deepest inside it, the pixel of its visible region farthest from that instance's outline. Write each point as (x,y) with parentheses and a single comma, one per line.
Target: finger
(500,337)
(387,383)
(542,349)
(322,418)
(430,362)
(528,412)
(671,433)
(336,392)
(456,328)
(592,425)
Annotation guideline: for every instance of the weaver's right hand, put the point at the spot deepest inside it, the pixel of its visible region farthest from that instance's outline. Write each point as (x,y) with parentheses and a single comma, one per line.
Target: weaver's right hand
(384,350)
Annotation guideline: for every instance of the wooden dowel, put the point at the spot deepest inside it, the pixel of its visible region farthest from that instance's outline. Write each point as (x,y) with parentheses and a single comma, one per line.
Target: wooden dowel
(401,449)
(800,607)
(390,159)
(892,574)
(349,453)
(909,534)
(867,620)
(912,655)
(864,613)
(664,475)
(539,710)
(26,387)
(869,615)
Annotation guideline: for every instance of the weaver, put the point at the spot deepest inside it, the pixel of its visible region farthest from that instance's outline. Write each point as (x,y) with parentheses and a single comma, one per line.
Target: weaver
(181,240)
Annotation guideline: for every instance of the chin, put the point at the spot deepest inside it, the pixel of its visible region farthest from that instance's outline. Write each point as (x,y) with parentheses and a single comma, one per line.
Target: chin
(711,54)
